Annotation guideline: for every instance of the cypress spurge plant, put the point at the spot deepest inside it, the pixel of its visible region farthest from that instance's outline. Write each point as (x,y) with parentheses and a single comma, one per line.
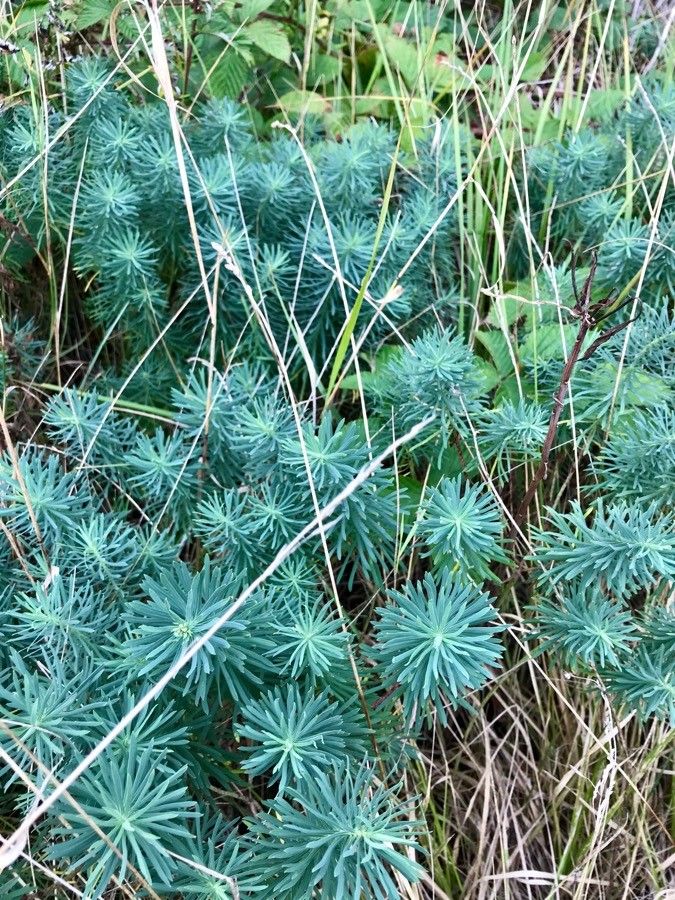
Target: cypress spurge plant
(198,440)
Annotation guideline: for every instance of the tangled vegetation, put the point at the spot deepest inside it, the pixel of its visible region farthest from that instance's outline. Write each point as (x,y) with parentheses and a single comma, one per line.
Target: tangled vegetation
(338,428)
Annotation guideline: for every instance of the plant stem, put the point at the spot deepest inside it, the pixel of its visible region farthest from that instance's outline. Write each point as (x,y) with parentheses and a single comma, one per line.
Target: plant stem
(586,322)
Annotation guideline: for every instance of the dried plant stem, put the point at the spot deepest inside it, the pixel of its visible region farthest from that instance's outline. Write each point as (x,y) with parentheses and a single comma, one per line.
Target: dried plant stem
(583,311)
(558,404)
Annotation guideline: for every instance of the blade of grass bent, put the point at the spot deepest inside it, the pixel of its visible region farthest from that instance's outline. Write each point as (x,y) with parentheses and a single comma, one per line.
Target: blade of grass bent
(341,352)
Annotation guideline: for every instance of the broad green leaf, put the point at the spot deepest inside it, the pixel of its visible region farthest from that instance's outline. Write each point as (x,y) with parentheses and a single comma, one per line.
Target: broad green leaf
(420,113)
(304,102)
(323,68)
(377,104)
(371,377)
(546,342)
(443,70)
(402,55)
(269,37)
(537,298)
(506,309)
(410,494)
(449,464)
(535,66)
(245,10)
(348,11)
(490,375)
(33,10)
(230,75)
(497,346)
(351,382)
(603,104)
(127,25)
(550,130)
(91,12)
(530,117)
(638,388)
(507,390)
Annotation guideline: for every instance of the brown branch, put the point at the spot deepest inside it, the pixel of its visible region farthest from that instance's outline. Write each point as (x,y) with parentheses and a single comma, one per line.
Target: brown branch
(196,9)
(587,320)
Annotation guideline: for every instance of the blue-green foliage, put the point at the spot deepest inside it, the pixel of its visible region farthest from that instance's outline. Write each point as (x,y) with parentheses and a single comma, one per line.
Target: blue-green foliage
(339,832)
(133,244)
(436,376)
(220,868)
(47,712)
(147,496)
(463,529)
(138,806)
(593,570)
(586,172)
(588,627)
(21,350)
(435,641)
(313,643)
(296,735)
(626,549)
(638,462)
(647,682)
(513,434)
(180,609)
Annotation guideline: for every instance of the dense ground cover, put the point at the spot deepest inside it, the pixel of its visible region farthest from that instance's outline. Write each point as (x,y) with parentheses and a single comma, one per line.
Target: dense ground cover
(336,494)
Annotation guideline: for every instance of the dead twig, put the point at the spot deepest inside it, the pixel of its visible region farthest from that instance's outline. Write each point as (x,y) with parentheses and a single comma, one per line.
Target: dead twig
(589,316)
